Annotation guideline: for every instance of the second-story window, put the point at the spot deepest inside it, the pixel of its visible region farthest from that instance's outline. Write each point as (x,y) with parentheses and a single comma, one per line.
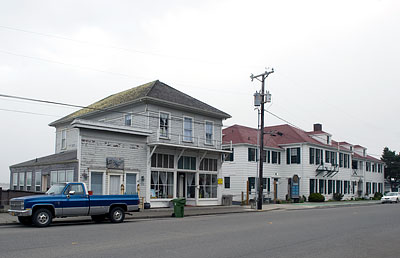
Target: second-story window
(128,120)
(63,139)
(188,129)
(164,125)
(293,156)
(251,155)
(209,132)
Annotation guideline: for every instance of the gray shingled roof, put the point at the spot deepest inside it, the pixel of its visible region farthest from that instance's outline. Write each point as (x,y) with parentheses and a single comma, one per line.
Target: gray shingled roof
(155,90)
(62,157)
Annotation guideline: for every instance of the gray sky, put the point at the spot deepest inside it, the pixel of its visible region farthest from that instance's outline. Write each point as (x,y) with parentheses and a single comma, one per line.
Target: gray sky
(335,63)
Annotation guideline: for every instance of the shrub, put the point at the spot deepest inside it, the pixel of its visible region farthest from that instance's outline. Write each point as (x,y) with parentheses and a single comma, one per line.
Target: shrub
(377,196)
(337,196)
(316,197)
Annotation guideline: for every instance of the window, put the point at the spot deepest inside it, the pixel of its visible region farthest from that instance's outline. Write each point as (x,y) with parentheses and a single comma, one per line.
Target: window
(374,188)
(251,156)
(130,184)
(264,156)
(346,160)
(319,154)
(227,182)
(191,185)
(368,166)
(276,157)
(209,132)
(333,158)
(338,186)
(38,181)
(128,120)
(77,188)
(15,181)
(361,165)
(187,129)
(161,185)
(252,183)
(28,181)
(321,186)
(96,182)
(208,186)
(162,160)
(327,156)
(61,176)
(293,155)
(330,188)
(312,155)
(64,139)
(312,186)
(185,162)
(21,181)
(229,156)
(341,160)
(164,125)
(373,167)
(346,187)
(209,165)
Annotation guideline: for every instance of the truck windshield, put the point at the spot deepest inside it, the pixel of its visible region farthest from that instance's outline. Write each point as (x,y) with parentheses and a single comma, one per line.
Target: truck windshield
(56,189)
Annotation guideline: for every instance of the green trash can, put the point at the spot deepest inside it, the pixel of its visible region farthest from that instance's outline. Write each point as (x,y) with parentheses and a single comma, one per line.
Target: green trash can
(179,205)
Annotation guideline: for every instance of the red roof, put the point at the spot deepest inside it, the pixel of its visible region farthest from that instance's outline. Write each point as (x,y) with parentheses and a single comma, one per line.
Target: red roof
(370,158)
(290,135)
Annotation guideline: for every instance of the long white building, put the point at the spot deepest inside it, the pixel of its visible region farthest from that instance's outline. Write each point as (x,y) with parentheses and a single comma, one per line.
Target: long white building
(321,164)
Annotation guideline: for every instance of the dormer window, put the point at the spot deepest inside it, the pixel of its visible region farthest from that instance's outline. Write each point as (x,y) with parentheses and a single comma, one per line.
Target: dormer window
(64,139)
(328,139)
(128,120)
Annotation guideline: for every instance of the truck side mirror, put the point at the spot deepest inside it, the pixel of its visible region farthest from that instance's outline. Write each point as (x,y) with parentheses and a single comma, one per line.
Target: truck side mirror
(71,192)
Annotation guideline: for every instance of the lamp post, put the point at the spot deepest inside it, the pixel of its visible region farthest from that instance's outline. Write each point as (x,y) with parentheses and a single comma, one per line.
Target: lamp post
(260,99)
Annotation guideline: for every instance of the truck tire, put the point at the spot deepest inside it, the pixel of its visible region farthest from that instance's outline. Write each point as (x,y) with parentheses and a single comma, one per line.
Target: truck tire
(117,215)
(98,218)
(42,218)
(25,220)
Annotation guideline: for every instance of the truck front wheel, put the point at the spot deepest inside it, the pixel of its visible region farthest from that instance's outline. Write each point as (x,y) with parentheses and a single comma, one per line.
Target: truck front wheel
(117,215)
(25,220)
(42,218)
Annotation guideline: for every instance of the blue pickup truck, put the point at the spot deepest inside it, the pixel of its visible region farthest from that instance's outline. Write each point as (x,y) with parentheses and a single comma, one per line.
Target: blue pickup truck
(71,199)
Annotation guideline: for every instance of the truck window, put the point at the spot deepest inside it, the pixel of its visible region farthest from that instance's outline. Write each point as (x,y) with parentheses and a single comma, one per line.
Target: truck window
(77,188)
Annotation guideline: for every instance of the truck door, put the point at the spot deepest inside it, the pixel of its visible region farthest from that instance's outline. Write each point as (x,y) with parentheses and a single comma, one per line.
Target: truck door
(76,202)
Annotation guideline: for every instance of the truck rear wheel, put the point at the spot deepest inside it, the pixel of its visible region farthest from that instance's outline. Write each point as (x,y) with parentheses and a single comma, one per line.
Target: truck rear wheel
(42,218)
(25,220)
(117,215)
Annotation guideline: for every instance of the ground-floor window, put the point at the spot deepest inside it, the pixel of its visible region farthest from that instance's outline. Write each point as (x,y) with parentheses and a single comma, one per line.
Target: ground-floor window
(373,188)
(353,187)
(162,185)
(130,183)
(208,186)
(38,181)
(15,181)
(312,186)
(191,185)
(227,182)
(28,181)
(21,181)
(368,186)
(96,182)
(330,187)
(380,187)
(321,186)
(61,176)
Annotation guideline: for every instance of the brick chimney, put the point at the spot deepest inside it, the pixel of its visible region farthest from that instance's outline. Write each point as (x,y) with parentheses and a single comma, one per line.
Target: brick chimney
(317,127)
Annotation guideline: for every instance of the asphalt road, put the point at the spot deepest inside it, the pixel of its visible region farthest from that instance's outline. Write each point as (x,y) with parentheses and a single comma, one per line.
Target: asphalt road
(368,231)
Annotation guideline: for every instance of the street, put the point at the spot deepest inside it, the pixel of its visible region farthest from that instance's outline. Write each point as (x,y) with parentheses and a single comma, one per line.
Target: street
(366,231)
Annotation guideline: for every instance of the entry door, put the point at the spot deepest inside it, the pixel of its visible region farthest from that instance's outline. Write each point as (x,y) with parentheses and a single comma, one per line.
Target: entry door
(44,183)
(181,185)
(115,184)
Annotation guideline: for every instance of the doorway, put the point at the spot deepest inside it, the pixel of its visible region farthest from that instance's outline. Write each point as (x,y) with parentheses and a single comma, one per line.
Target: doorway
(180,191)
(115,184)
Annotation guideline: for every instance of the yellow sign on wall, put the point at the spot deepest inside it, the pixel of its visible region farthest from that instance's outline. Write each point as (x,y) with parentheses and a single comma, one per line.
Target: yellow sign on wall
(220,181)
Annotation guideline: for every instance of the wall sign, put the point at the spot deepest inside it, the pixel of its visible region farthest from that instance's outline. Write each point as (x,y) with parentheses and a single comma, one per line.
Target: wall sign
(115,163)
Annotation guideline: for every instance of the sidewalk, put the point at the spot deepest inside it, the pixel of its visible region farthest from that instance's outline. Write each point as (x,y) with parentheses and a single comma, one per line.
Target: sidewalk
(6,219)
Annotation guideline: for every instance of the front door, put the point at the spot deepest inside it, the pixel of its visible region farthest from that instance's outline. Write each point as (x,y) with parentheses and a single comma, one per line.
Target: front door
(115,184)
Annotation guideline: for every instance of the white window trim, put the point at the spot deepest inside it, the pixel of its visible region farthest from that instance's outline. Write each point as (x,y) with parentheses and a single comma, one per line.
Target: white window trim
(169,125)
(63,143)
(205,133)
(103,190)
(108,180)
(40,183)
(128,115)
(27,173)
(15,179)
(183,129)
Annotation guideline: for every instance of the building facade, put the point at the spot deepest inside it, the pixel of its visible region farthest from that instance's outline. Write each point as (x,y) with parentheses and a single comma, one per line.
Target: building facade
(298,163)
(152,140)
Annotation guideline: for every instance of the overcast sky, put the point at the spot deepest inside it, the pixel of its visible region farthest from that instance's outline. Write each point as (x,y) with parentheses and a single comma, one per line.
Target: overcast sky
(336,63)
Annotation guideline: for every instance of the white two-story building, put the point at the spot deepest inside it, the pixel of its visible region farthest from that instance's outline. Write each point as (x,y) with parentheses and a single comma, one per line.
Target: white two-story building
(152,139)
(321,164)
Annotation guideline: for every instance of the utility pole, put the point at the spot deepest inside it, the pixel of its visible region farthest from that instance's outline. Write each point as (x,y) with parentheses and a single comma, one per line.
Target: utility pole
(261,95)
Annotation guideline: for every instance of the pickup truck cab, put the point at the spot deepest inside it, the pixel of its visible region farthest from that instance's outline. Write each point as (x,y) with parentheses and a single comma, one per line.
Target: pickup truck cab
(71,199)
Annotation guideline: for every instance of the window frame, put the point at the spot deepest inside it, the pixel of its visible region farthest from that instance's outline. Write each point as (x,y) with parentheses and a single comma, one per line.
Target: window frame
(211,143)
(184,137)
(227,182)
(130,116)
(168,126)
(38,175)
(63,139)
